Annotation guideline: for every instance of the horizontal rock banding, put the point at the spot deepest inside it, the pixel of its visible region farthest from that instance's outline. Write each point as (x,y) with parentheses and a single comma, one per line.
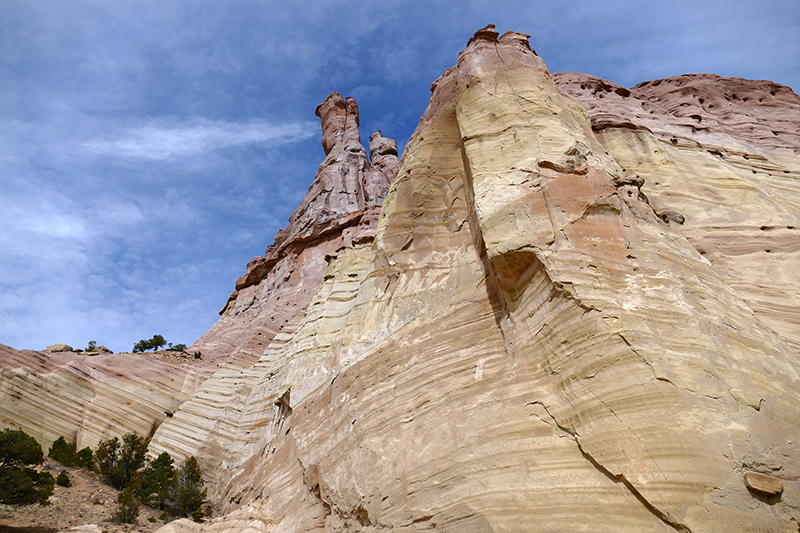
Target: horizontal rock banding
(557,320)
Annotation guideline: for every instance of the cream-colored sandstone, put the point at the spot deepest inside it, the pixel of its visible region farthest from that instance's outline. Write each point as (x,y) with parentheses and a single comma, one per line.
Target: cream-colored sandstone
(525,344)
(89,397)
(529,349)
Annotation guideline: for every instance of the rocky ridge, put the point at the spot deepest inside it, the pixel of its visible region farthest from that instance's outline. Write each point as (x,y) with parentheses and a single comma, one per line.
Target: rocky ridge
(575,311)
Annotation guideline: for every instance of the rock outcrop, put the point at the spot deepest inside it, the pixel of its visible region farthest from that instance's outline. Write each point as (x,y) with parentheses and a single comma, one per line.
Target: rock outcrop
(562,318)
(340,208)
(719,159)
(89,397)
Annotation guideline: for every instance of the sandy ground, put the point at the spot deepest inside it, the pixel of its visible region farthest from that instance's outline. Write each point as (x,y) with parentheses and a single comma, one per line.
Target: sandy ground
(87,501)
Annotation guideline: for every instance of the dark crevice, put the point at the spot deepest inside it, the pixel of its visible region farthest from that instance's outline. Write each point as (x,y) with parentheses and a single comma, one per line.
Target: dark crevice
(638,495)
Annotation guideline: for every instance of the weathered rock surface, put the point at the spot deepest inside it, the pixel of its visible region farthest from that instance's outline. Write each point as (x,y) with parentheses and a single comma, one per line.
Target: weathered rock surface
(529,343)
(59,347)
(339,212)
(565,320)
(88,397)
(720,161)
(340,208)
(763,483)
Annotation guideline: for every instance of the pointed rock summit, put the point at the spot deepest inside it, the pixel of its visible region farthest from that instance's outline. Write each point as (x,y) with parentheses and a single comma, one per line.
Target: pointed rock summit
(340,208)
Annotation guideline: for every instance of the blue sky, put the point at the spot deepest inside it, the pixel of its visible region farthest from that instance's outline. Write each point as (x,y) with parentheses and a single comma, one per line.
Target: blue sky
(150,149)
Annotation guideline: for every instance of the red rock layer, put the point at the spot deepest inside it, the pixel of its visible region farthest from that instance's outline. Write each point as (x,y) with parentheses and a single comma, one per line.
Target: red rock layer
(705,108)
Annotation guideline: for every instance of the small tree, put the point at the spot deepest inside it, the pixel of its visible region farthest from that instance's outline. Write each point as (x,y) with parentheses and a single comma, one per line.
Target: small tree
(20,484)
(188,494)
(128,508)
(63,452)
(117,463)
(156,342)
(157,480)
(84,458)
(18,449)
(91,347)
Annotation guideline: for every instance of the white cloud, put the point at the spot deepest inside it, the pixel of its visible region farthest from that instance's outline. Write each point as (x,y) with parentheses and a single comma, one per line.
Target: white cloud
(159,141)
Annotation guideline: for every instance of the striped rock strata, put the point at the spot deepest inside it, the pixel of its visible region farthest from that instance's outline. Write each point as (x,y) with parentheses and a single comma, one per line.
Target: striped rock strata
(720,157)
(527,345)
(530,340)
(89,398)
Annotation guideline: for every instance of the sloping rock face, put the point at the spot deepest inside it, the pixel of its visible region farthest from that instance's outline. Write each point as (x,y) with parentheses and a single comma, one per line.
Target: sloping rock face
(339,212)
(91,397)
(551,330)
(563,318)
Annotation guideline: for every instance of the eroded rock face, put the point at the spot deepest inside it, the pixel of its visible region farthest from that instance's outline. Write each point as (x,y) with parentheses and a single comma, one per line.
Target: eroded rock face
(90,397)
(531,341)
(340,208)
(339,212)
(720,159)
(547,326)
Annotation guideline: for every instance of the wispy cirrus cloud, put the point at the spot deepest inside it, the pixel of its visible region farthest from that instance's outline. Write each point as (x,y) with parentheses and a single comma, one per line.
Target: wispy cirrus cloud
(159,141)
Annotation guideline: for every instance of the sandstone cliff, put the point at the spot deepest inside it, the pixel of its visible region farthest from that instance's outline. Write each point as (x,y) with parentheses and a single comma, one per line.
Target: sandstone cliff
(576,310)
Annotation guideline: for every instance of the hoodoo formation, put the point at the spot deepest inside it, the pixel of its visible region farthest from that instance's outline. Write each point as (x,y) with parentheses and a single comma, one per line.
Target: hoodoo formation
(571,307)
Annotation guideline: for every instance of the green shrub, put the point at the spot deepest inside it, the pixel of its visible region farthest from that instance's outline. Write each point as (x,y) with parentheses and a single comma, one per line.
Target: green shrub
(188,493)
(151,519)
(63,452)
(117,463)
(18,449)
(198,355)
(177,348)
(128,508)
(20,484)
(197,515)
(92,346)
(84,458)
(163,516)
(63,479)
(156,342)
(157,480)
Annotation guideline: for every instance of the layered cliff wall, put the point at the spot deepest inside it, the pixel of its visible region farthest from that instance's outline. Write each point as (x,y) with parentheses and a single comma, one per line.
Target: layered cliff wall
(539,338)
(719,159)
(340,208)
(576,310)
